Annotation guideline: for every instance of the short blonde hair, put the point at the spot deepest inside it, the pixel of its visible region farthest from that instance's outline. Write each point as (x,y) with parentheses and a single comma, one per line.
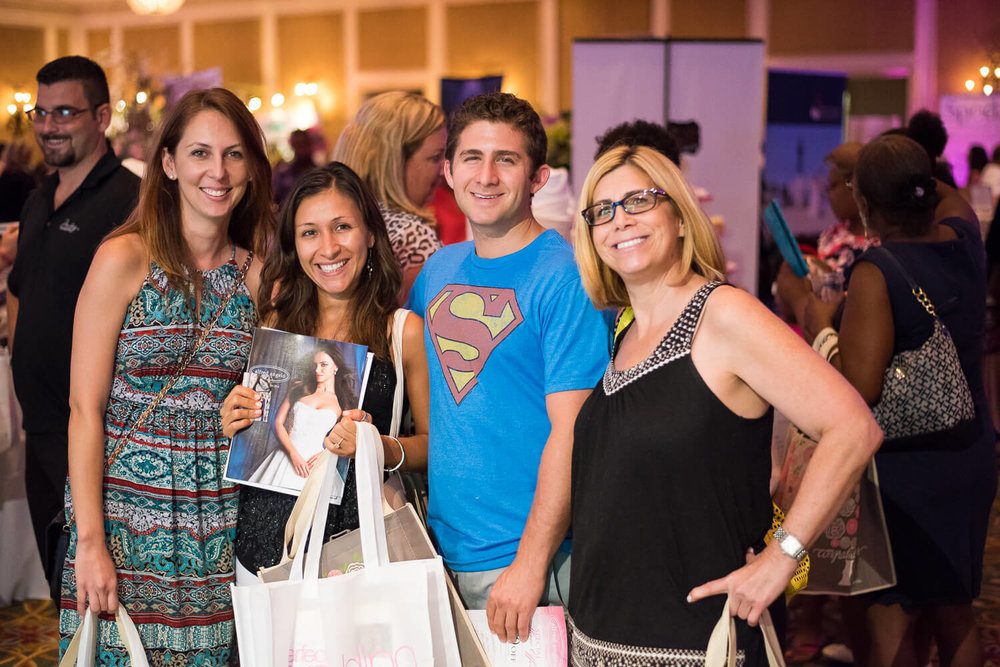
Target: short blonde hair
(386,131)
(700,248)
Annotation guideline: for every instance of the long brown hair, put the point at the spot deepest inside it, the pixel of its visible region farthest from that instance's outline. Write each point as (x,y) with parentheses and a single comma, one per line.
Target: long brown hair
(289,299)
(157,218)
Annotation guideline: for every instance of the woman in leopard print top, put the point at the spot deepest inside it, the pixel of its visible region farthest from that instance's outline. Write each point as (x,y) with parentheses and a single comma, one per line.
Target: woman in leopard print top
(396,144)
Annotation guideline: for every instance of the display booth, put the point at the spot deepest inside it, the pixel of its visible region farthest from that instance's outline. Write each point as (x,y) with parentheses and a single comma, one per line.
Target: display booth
(717,83)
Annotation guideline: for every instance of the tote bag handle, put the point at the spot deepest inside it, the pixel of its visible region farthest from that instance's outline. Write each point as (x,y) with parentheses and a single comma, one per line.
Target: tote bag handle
(722,644)
(82,649)
(369,459)
(305,565)
(398,324)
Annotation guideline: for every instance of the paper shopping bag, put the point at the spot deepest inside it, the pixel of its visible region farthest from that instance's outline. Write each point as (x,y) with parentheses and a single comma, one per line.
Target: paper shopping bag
(852,555)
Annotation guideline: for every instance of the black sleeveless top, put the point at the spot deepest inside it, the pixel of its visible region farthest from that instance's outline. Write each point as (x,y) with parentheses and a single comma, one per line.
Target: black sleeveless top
(260,523)
(670,489)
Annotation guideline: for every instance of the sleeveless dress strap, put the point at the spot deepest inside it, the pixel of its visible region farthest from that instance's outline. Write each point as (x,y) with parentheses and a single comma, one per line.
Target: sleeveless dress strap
(690,318)
(674,345)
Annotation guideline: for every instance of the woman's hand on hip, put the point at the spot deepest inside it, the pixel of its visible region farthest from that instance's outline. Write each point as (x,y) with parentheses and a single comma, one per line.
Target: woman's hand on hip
(342,440)
(96,579)
(240,408)
(753,587)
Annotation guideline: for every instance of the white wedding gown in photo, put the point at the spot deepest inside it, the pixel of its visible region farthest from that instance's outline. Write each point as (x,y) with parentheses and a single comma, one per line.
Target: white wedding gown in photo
(309,427)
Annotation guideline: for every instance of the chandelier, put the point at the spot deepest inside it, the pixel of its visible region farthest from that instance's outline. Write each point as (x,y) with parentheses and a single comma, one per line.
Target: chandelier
(158,7)
(989,76)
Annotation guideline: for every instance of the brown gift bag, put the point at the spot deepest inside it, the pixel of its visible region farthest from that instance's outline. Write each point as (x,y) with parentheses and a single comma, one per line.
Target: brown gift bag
(852,555)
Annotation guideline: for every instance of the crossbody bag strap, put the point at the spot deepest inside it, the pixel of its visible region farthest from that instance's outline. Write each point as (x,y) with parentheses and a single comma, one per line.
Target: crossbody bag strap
(918,292)
(185,361)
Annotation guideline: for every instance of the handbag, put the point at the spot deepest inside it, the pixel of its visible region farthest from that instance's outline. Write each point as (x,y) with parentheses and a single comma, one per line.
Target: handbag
(82,648)
(722,643)
(58,531)
(923,390)
(853,554)
(395,612)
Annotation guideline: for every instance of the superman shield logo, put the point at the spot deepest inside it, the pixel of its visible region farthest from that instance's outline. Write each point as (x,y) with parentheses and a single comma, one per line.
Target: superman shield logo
(466,324)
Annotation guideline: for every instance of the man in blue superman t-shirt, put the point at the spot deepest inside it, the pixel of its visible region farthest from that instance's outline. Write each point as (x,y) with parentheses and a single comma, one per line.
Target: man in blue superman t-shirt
(514,349)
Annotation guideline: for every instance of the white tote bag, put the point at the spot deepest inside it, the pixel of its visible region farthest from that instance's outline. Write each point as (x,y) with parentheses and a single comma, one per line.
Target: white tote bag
(390,614)
(82,649)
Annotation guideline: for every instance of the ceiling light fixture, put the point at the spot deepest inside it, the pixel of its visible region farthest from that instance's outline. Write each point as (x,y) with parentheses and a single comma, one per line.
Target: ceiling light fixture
(988,81)
(155,7)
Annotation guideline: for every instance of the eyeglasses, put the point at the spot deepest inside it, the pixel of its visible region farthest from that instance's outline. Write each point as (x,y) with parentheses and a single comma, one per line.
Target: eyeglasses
(637,202)
(60,115)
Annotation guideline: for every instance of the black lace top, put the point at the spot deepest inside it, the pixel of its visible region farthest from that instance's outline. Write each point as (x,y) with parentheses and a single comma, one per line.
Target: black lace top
(260,524)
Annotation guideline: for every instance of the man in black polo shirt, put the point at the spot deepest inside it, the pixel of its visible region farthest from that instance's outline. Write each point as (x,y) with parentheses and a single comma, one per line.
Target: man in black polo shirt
(62,223)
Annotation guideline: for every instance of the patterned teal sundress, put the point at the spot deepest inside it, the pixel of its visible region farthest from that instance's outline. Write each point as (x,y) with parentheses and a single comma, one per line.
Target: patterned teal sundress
(169,517)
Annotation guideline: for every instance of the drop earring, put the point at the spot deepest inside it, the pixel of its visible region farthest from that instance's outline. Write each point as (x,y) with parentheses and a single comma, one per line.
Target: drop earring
(368,265)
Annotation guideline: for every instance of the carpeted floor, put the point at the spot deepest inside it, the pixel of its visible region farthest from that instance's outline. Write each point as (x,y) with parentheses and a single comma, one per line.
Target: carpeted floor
(29,635)
(28,631)
(988,604)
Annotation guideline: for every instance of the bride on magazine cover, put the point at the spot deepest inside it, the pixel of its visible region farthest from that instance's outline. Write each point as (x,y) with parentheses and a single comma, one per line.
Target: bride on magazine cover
(307,414)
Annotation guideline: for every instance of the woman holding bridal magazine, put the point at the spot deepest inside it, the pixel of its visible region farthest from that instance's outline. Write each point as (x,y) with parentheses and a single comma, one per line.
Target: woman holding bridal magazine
(332,274)
(672,450)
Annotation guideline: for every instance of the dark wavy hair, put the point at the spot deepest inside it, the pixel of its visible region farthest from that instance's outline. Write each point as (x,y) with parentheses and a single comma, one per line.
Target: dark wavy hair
(895,178)
(289,299)
(344,384)
(157,216)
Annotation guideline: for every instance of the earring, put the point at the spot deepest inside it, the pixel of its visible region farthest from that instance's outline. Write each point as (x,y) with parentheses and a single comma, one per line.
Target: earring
(368,265)
(864,223)
(680,229)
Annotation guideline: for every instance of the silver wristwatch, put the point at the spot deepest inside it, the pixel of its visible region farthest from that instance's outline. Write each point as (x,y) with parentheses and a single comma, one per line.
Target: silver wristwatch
(789,544)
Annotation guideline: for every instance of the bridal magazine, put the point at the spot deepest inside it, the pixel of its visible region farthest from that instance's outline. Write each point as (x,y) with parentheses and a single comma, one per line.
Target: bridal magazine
(305,383)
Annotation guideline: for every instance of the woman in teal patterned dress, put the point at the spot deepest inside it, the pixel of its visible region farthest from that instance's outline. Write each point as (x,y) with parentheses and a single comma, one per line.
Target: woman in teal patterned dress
(153,519)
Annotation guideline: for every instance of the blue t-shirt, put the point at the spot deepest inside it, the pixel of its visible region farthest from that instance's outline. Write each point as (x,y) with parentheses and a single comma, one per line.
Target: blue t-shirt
(501,334)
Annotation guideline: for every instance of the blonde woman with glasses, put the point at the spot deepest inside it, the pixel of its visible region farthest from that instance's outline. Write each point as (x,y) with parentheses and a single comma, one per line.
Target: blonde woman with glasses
(671,458)
(396,145)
